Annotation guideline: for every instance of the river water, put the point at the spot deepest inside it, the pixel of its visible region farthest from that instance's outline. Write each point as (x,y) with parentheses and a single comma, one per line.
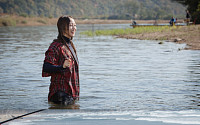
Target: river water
(120,78)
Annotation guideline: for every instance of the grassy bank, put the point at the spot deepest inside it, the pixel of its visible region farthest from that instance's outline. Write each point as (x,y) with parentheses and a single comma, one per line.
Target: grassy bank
(129,31)
(14,20)
(179,34)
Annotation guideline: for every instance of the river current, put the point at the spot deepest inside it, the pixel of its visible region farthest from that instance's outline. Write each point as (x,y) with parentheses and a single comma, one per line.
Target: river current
(119,78)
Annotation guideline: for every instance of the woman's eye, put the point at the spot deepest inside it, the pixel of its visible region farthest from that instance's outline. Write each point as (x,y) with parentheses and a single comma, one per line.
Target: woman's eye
(72,25)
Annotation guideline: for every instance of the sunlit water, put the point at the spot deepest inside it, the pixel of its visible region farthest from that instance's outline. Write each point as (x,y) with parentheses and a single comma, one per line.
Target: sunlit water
(120,78)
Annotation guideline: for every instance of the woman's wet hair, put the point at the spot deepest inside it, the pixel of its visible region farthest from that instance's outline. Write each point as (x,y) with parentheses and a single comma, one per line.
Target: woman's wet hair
(62,25)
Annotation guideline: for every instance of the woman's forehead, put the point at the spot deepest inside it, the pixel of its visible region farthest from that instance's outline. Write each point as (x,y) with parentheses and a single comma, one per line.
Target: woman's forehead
(72,20)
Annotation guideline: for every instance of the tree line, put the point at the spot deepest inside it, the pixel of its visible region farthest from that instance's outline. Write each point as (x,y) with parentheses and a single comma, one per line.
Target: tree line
(101,9)
(193,6)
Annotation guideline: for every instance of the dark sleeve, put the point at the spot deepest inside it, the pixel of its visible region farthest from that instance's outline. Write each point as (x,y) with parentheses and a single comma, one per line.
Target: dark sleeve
(49,68)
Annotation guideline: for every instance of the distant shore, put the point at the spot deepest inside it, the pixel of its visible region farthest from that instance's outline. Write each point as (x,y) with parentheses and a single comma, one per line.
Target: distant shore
(183,34)
(8,20)
(13,20)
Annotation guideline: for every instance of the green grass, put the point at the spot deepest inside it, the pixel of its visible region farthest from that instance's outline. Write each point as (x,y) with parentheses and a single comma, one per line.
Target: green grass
(128,31)
(7,22)
(24,22)
(41,21)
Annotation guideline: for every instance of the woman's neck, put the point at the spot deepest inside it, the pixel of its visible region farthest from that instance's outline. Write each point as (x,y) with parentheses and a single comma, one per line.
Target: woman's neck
(67,39)
(65,35)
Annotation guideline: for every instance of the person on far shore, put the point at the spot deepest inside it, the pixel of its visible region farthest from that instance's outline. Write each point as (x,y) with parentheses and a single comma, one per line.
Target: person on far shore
(61,63)
(187,17)
(172,21)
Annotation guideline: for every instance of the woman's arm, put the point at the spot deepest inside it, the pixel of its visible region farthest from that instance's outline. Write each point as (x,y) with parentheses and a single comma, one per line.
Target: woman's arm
(49,68)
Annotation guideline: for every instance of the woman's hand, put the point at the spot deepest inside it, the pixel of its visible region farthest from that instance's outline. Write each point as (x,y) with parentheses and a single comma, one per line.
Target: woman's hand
(66,63)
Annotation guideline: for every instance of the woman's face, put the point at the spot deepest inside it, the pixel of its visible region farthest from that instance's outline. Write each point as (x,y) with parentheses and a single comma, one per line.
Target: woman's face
(72,29)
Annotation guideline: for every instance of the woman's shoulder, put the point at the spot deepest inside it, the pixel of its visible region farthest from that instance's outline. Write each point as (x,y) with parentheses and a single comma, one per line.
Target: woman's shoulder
(56,43)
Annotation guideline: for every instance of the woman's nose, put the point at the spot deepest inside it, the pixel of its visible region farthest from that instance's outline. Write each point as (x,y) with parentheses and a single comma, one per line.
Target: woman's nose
(74,27)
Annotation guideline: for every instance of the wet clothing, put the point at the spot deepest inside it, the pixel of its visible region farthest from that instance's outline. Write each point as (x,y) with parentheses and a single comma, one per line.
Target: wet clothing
(63,98)
(62,79)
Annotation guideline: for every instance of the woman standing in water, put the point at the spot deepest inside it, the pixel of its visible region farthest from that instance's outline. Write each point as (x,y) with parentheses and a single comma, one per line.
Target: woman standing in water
(61,63)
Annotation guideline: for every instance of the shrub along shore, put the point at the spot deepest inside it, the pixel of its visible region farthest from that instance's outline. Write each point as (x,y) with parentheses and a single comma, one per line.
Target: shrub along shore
(13,20)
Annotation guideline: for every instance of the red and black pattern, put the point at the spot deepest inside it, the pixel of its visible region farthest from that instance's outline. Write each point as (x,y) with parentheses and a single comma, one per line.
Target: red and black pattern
(68,79)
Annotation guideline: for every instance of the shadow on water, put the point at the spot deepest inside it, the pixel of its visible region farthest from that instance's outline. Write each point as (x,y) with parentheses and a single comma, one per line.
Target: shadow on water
(59,106)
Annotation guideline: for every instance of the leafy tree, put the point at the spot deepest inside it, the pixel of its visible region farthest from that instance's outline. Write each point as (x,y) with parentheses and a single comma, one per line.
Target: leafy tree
(111,9)
(194,8)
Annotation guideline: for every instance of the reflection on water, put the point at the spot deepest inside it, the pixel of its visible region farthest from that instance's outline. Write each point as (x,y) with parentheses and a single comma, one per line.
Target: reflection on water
(56,106)
(115,74)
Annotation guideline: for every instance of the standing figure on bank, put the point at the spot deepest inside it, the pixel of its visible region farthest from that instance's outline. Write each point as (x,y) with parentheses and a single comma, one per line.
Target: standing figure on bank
(187,17)
(61,63)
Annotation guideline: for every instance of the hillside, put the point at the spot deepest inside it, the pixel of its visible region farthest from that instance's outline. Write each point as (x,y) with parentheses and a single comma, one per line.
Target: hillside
(101,9)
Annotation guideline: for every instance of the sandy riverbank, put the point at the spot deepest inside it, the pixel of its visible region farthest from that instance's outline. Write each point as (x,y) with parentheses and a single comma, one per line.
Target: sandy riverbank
(180,34)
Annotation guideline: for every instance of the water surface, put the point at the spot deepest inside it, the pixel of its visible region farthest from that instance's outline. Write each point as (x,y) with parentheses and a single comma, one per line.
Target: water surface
(116,75)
